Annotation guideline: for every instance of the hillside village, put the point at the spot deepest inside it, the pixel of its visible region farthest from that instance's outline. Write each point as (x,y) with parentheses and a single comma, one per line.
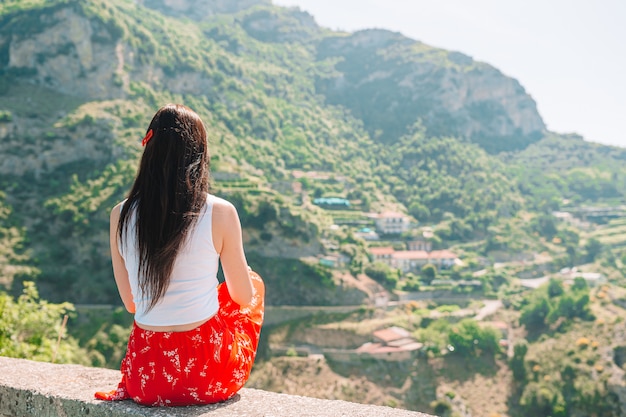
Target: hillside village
(398,241)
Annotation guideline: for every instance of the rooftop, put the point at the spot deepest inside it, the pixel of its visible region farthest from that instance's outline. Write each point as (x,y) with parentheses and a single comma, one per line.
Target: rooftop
(385,250)
(391,215)
(391,333)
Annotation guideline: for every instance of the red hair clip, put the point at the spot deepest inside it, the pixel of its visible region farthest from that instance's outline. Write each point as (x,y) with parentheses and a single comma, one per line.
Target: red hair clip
(146,138)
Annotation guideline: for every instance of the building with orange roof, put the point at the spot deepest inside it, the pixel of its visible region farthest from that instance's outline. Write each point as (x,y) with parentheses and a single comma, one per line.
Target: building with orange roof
(382,254)
(392,344)
(413,260)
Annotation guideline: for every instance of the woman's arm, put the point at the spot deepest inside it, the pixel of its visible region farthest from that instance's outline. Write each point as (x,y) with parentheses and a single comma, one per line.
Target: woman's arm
(229,244)
(119,267)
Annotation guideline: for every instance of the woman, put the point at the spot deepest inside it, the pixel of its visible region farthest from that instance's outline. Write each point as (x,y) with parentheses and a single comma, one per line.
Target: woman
(193,341)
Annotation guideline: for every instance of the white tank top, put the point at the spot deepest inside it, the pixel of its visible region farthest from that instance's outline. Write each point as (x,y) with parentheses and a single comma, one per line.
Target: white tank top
(192,292)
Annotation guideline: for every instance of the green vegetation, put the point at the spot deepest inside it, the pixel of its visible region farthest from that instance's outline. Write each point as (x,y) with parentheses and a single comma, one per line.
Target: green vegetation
(31,328)
(565,171)
(14,259)
(468,338)
(445,179)
(383,274)
(295,112)
(259,95)
(552,303)
(36,329)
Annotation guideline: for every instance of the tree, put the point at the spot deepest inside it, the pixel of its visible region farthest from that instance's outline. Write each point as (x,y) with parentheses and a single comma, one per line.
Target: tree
(569,237)
(565,308)
(429,273)
(517,363)
(580,284)
(571,251)
(534,314)
(593,247)
(419,211)
(542,400)
(469,338)
(555,288)
(545,225)
(383,274)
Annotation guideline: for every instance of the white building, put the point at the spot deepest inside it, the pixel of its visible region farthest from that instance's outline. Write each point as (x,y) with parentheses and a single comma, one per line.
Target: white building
(420,244)
(392,223)
(413,260)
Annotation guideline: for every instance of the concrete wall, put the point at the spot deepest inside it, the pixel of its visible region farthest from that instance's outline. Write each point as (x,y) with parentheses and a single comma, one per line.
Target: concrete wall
(38,389)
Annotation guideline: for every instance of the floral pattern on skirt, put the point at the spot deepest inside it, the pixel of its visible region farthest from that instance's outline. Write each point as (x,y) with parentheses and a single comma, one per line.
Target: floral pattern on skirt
(205,365)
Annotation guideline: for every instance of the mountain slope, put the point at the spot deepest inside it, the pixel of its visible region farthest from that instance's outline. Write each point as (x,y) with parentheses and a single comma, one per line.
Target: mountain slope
(360,115)
(390,81)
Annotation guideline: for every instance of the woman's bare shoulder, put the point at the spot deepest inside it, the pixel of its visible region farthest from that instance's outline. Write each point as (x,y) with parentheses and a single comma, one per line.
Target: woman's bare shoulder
(223,209)
(115,211)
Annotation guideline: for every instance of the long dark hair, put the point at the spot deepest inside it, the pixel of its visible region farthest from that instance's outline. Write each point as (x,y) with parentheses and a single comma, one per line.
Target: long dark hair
(168,194)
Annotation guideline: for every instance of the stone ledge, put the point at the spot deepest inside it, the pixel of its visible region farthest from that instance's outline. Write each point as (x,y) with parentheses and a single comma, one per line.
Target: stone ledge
(42,389)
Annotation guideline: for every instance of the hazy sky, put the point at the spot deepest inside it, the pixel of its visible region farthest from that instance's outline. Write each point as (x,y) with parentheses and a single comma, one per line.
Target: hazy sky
(569,55)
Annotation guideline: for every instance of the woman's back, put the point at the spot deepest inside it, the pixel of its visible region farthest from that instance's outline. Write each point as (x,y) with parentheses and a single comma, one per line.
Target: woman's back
(193,340)
(191,295)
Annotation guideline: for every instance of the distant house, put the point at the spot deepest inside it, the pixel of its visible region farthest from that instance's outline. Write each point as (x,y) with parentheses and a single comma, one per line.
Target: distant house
(562,215)
(382,254)
(367,234)
(392,223)
(335,260)
(408,260)
(332,202)
(442,258)
(391,335)
(593,279)
(420,244)
(391,344)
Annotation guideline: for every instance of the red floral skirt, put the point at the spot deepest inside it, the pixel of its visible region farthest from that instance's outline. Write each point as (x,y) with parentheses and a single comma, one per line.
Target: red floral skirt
(205,365)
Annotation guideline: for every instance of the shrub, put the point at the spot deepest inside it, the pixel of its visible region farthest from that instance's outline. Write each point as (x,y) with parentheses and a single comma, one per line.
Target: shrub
(469,338)
(5,116)
(429,273)
(30,327)
(517,361)
(441,407)
(555,288)
(534,315)
(541,399)
(383,274)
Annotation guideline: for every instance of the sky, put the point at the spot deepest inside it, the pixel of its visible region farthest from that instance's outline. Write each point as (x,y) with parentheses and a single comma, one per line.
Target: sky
(570,55)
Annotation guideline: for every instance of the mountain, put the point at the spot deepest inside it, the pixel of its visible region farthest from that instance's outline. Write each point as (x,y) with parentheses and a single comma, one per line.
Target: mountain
(389,81)
(294,111)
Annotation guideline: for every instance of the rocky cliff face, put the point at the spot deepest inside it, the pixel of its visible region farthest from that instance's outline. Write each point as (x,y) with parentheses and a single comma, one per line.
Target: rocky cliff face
(390,81)
(71,54)
(70,59)
(80,56)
